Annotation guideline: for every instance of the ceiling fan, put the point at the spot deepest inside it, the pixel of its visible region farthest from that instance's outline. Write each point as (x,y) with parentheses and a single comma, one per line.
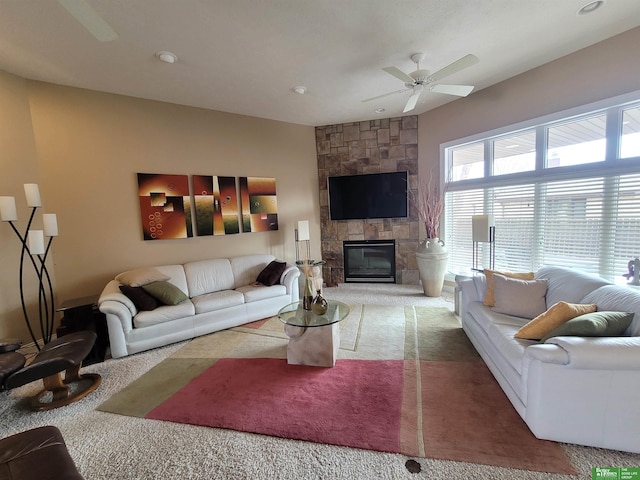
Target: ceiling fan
(418,80)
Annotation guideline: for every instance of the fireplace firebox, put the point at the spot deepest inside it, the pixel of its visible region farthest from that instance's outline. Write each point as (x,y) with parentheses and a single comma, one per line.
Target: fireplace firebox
(369,261)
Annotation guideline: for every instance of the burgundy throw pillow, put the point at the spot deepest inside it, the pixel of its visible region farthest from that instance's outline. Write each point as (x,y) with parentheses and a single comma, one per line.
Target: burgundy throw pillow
(271,273)
(141,299)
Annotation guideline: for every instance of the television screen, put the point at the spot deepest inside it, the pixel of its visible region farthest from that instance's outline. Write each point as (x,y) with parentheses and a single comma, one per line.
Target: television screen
(376,195)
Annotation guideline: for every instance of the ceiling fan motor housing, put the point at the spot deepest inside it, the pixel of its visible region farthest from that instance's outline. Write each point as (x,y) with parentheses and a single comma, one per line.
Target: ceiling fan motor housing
(420,77)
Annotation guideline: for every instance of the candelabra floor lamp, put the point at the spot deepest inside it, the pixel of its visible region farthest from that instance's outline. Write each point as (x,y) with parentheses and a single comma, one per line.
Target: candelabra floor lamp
(34,253)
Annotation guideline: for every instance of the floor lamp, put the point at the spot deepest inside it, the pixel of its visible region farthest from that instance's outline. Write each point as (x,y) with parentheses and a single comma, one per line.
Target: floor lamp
(483,230)
(33,247)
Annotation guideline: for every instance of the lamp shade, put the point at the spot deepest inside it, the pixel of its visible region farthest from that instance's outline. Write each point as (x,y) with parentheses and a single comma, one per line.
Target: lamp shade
(36,242)
(32,192)
(8,209)
(50,222)
(481,228)
(303,230)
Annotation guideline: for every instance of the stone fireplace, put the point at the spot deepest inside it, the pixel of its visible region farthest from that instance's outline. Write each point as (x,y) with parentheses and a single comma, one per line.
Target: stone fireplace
(373,146)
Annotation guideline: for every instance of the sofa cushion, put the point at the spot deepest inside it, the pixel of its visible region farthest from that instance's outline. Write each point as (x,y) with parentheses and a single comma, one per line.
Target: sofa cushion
(596,324)
(553,318)
(489,296)
(522,298)
(271,274)
(487,317)
(618,298)
(569,285)
(166,293)
(208,276)
(512,349)
(141,299)
(141,276)
(254,293)
(163,314)
(217,301)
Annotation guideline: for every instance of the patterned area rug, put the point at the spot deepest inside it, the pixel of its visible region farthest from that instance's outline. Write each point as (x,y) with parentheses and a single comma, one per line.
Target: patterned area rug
(407,381)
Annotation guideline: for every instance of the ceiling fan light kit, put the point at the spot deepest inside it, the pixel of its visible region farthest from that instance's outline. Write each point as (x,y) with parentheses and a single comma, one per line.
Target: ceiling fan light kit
(417,80)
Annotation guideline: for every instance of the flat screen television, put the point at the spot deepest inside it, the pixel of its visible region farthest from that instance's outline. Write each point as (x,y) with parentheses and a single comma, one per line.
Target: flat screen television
(375,195)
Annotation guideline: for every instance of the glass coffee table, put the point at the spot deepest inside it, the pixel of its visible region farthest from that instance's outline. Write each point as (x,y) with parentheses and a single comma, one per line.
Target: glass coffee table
(313,339)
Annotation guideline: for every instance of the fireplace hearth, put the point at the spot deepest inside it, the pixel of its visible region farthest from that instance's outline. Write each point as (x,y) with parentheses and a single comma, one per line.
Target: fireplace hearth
(369,261)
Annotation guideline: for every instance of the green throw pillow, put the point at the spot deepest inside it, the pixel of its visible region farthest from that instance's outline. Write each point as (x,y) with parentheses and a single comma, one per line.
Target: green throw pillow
(166,292)
(596,324)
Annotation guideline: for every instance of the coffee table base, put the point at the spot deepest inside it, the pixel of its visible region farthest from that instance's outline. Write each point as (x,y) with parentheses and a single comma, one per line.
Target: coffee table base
(314,346)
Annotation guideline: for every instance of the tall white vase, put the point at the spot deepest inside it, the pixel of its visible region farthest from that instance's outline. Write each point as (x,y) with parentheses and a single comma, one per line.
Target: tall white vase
(432,264)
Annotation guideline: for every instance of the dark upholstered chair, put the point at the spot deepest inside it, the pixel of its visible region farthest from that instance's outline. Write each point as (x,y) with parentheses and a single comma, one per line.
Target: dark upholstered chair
(64,354)
(39,454)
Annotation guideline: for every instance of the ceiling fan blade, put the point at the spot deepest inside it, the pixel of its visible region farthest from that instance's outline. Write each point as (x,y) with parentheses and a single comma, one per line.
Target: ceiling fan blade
(399,74)
(89,18)
(459,90)
(413,100)
(454,67)
(386,95)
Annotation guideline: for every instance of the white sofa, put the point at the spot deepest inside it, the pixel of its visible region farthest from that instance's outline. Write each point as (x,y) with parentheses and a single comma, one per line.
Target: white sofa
(582,390)
(222,294)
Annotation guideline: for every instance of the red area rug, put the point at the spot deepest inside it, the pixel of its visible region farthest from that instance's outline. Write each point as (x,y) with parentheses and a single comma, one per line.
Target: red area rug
(357,403)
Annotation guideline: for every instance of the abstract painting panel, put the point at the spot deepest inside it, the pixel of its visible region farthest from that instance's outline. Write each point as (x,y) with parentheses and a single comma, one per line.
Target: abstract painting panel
(259,204)
(165,206)
(216,201)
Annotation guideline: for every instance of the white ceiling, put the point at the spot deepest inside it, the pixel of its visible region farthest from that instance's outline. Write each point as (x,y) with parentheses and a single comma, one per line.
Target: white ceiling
(245,56)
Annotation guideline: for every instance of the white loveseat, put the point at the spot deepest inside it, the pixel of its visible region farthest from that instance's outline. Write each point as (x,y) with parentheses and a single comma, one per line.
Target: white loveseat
(222,294)
(582,390)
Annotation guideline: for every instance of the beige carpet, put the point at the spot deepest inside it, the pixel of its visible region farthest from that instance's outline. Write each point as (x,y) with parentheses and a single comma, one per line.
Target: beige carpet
(452,408)
(105,446)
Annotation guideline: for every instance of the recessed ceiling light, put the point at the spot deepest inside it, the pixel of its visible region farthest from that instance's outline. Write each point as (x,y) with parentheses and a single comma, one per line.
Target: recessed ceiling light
(380,110)
(166,57)
(590,7)
(300,90)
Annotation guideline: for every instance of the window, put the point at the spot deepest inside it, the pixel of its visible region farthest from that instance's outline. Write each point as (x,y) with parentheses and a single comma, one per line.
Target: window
(575,143)
(572,197)
(514,153)
(630,142)
(467,162)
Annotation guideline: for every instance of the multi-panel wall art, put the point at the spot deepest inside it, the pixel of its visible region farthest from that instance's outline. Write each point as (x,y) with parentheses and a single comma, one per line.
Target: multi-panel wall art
(165,205)
(216,202)
(259,204)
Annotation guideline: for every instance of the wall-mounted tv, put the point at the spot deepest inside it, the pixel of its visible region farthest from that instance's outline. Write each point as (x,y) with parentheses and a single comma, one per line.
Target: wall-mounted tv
(375,195)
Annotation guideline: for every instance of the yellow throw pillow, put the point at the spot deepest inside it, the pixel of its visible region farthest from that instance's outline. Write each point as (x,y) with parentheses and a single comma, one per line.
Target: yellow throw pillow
(489,297)
(555,316)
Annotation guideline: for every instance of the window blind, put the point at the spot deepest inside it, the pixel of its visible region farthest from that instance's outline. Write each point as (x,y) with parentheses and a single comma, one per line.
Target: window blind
(590,223)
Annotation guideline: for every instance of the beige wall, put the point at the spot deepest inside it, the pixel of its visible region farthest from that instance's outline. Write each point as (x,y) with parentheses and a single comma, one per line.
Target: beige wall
(604,70)
(19,166)
(91,145)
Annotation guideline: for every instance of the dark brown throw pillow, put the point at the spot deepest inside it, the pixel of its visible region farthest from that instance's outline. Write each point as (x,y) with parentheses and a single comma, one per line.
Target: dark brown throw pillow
(141,299)
(271,273)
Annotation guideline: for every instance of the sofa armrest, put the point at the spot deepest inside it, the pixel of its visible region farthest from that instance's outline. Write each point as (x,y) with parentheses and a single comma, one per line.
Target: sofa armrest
(289,279)
(600,353)
(112,293)
(469,293)
(547,353)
